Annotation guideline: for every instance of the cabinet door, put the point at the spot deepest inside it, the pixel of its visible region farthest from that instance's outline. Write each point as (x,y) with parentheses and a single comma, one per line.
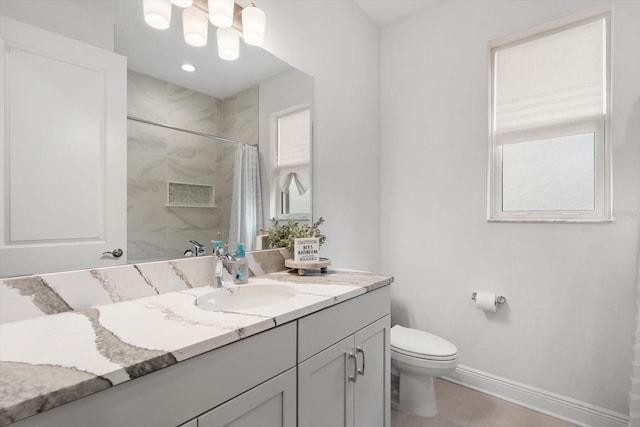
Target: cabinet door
(62,152)
(271,404)
(325,392)
(373,388)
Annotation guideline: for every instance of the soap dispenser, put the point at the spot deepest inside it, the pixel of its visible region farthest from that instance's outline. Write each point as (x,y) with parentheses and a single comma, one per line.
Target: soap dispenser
(217,247)
(240,266)
(217,253)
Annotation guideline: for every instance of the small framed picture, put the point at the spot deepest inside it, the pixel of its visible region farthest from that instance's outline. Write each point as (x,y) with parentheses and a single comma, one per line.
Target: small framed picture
(307,250)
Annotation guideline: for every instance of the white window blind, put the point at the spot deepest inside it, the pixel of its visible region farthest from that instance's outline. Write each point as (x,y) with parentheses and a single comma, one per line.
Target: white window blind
(294,139)
(557,78)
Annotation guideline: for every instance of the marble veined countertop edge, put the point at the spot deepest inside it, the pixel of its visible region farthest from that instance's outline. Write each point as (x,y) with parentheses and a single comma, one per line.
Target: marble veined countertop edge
(48,361)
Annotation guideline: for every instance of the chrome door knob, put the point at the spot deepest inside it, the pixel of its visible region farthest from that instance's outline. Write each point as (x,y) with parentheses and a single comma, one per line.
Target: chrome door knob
(116,253)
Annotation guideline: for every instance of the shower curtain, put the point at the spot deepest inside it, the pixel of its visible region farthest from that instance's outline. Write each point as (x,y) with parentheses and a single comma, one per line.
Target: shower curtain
(246,201)
(634,395)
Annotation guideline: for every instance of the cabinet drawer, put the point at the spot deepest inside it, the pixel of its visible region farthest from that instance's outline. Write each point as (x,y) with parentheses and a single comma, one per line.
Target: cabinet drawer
(326,327)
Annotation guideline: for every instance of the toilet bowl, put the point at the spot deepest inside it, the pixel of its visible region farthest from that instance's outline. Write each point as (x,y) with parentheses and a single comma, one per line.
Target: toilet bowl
(417,357)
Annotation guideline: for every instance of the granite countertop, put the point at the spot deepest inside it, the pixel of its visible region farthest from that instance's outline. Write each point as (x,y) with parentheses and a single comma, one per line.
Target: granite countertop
(51,360)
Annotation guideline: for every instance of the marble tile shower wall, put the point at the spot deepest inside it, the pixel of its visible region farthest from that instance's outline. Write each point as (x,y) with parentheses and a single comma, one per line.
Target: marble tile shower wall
(240,114)
(157,155)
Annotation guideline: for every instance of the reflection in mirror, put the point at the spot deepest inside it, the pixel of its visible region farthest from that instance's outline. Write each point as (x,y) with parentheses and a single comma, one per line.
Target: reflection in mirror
(293,164)
(220,102)
(294,198)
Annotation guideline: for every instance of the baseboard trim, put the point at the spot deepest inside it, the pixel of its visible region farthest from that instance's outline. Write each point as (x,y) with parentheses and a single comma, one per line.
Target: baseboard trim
(574,411)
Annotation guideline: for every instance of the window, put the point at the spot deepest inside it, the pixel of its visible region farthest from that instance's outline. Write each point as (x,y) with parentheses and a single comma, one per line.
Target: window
(549,152)
(293,164)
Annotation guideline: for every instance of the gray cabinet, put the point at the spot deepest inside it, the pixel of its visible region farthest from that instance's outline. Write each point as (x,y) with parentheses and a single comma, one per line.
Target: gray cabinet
(325,393)
(373,386)
(272,404)
(346,384)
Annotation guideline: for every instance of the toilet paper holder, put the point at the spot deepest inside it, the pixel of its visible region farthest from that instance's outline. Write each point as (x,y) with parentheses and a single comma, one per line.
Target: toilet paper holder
(499,299)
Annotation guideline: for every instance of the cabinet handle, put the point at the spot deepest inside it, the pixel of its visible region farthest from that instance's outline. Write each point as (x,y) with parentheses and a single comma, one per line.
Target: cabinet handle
(361,350)
(353,356)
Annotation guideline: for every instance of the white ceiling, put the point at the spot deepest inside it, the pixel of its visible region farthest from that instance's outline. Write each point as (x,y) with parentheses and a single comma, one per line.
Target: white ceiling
(386,12)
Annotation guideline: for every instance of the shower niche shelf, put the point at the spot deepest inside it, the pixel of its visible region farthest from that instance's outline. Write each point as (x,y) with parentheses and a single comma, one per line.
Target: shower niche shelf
(188,195)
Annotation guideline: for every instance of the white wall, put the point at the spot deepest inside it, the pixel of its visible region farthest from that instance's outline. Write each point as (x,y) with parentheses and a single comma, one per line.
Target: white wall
(77,23)
(339,47)
(568,325)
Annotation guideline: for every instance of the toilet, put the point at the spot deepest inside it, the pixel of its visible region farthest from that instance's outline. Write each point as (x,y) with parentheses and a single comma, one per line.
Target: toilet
(417,357)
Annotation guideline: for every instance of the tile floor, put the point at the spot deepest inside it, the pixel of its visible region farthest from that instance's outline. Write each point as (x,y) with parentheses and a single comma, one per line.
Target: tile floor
(462,407)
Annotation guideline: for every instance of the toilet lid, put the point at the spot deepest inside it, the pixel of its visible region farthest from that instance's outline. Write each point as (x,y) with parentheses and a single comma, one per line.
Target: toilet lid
(420,344)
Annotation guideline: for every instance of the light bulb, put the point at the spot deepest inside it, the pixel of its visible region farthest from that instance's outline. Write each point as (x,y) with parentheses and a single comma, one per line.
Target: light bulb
(182,3)
(228,44)
(157,13)
(195,27)
(253,23)
(188,67)
(221,13)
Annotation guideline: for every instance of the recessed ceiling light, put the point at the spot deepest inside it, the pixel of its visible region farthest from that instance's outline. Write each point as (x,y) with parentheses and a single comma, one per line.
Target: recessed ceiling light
(188,67)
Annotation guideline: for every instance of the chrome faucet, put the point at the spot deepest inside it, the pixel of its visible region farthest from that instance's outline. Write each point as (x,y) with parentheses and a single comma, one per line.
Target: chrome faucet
(224,260)
(198,249)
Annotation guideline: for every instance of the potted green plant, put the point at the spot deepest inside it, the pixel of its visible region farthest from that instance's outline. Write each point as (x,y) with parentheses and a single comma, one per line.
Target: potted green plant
(283,235)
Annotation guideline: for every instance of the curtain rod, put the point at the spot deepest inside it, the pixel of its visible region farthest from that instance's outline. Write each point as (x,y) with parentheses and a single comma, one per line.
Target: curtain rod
(205,135)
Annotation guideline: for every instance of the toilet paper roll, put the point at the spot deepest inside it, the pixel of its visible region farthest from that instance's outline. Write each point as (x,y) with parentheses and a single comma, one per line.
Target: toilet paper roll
(486,301)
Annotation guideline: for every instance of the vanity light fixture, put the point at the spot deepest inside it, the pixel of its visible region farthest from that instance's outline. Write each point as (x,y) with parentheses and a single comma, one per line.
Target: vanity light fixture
(182,3)
(228,44)
(253,23)
(157,13)
(195,26)
(188,68)
(232,21)
(221,12)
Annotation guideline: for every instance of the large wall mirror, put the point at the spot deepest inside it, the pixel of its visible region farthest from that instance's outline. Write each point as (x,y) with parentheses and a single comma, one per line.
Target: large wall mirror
(186,135)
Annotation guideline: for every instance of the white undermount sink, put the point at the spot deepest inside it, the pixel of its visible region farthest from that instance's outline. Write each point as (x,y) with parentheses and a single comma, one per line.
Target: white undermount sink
(245,296)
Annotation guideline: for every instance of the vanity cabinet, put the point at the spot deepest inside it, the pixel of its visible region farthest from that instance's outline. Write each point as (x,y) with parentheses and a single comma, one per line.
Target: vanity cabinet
(372,390)
(272,404)
(330,368)
(346,384)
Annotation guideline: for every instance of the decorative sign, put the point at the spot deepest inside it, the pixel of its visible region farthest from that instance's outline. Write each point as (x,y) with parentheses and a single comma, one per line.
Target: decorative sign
(307,249)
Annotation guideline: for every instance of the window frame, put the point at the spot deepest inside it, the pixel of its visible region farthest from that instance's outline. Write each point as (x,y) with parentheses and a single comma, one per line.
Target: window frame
(600,125)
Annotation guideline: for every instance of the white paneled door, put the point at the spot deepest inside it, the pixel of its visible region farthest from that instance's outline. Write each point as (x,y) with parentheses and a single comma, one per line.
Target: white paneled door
(62,153)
